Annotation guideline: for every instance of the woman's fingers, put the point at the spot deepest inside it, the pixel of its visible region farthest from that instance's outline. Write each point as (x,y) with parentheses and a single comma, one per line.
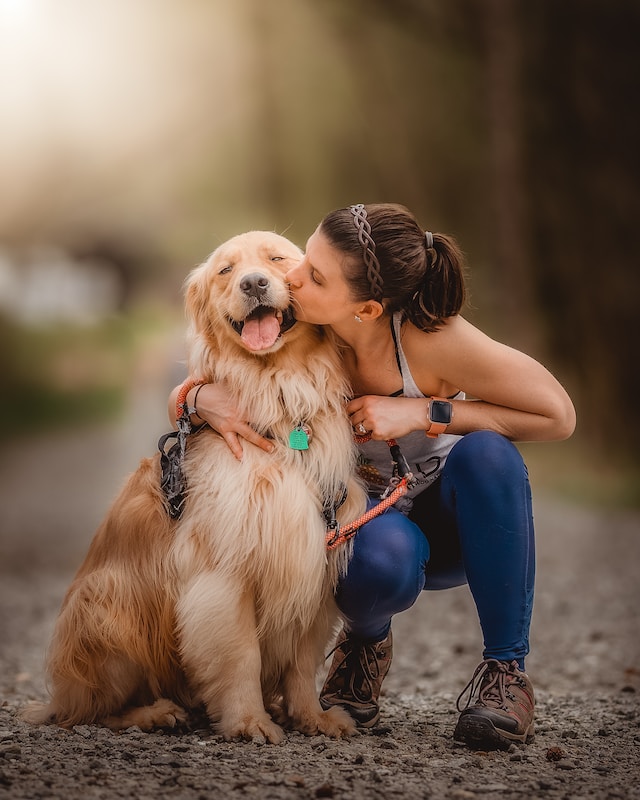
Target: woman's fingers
(250,435)
(233,443)
(234,440)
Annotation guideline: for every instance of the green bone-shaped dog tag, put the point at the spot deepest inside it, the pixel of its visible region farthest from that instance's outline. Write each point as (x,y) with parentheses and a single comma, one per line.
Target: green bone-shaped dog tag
(298,439)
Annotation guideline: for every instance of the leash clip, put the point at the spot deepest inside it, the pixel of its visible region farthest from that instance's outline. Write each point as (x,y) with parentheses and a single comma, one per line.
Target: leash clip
(332,538)
(401,469)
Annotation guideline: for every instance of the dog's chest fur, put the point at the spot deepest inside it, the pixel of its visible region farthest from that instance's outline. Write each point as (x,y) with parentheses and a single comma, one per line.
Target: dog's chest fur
(261,519)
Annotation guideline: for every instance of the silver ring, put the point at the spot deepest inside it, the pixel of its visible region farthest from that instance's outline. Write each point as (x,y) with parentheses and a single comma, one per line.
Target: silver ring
(361,428)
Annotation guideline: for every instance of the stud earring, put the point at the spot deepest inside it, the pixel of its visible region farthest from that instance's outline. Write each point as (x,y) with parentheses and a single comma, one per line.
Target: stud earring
(357,318)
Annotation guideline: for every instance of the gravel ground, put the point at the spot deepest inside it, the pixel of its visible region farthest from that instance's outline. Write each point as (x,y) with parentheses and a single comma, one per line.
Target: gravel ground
(584,664)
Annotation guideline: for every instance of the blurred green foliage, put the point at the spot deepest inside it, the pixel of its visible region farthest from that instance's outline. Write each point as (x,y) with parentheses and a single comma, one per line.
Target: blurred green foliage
(60,375)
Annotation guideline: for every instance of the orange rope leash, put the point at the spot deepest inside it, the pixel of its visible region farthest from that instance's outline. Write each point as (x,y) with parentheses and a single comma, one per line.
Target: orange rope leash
(342,534)
(181,399)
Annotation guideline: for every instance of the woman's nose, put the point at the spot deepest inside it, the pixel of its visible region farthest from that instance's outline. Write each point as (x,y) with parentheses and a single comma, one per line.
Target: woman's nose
(292,277)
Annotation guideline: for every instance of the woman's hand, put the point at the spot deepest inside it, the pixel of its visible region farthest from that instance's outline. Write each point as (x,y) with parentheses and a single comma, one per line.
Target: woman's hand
(387,417)
(215,407)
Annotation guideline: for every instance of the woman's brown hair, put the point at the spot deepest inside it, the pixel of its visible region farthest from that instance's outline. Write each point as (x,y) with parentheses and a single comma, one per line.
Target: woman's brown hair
(391,259)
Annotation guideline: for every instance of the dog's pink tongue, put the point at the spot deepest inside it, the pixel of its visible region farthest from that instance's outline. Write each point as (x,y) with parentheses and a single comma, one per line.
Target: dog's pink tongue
(260,334)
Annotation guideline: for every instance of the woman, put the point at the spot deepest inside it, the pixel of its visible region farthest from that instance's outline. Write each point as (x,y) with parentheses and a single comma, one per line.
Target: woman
(391,294)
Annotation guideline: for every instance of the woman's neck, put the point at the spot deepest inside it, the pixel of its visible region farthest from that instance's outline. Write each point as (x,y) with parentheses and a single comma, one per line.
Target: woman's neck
(369,358)
(366,338)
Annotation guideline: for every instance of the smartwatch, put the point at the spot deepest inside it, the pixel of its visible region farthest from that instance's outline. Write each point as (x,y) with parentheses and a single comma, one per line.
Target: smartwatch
(440,414)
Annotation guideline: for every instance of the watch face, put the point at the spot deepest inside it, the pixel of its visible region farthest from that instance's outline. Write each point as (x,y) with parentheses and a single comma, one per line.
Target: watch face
(440,411)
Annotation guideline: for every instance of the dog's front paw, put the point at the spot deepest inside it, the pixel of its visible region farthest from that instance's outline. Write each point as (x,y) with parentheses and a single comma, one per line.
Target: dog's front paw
(253,729)
(336,723)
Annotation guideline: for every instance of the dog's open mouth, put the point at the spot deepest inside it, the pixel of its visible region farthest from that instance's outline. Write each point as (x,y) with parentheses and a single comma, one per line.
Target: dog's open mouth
(261,329)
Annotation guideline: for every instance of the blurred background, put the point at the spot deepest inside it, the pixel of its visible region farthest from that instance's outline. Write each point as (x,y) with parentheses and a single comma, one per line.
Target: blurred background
(136,136)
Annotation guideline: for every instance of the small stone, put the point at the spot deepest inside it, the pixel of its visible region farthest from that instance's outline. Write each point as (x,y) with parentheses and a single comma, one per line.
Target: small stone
(555,754)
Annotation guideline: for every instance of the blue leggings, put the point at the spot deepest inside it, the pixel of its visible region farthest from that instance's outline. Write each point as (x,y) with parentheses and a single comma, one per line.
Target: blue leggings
(475,526)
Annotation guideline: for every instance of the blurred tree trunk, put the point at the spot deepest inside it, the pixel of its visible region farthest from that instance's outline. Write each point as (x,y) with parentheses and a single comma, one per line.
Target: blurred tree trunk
(584,177)
(380,160)
(502,40)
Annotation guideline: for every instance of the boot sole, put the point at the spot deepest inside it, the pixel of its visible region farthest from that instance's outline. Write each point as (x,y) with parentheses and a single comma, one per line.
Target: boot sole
(481,734)
(368,723)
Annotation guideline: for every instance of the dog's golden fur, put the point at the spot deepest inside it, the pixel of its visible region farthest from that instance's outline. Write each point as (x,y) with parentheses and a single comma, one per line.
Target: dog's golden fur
(232,605)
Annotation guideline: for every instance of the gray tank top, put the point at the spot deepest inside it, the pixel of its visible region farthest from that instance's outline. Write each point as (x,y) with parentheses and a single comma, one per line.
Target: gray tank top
(426,457)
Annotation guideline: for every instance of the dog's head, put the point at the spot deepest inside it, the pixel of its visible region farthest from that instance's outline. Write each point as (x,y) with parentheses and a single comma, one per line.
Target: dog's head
(240,292)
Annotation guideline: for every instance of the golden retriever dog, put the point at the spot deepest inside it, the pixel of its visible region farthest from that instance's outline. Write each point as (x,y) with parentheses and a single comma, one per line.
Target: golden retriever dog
(231,605)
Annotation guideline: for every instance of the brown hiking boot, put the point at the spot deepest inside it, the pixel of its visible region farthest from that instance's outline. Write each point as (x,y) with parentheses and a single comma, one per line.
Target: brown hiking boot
(504,710)
(355,677)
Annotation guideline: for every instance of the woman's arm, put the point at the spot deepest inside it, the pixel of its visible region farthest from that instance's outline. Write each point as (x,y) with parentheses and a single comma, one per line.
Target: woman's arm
(516,395)
(214,406)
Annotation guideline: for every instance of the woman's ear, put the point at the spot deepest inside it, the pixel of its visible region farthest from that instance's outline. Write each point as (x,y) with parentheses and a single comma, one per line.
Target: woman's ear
(370,310)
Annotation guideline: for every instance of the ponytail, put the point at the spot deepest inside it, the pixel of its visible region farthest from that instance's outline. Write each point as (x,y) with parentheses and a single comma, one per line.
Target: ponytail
(442,292)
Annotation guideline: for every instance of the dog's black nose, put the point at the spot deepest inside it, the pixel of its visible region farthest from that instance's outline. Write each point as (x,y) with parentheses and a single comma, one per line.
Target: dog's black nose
(255,285)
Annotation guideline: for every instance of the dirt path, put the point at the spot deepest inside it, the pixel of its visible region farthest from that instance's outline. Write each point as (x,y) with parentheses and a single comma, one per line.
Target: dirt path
(585,663)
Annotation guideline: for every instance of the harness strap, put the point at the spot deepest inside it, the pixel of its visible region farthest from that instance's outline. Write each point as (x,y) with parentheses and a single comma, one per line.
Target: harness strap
(172,480)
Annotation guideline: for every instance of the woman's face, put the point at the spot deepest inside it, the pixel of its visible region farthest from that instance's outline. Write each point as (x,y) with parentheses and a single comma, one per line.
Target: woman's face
(320,293)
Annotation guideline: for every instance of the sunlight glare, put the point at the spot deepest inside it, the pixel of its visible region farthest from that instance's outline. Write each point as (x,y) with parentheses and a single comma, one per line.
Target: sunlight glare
(18,13)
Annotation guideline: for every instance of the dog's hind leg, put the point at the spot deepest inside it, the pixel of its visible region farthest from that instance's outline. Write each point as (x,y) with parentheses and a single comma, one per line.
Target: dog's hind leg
(118,703)
(111,652)
(221,656)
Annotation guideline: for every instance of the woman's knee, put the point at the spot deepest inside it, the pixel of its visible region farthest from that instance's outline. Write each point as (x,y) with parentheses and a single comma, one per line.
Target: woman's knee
(485,456)
(390,554)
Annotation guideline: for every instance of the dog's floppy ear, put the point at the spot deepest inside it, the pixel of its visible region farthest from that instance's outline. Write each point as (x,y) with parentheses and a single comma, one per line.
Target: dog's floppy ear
(196,293)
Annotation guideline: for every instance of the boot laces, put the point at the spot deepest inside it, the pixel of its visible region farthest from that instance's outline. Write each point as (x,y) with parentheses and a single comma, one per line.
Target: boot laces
(359,668)
(490,682)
